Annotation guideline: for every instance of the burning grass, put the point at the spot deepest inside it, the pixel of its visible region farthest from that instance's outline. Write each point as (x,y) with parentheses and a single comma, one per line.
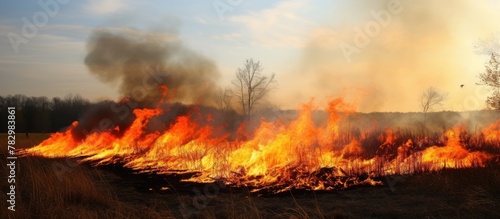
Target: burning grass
(155,168)
(275,155)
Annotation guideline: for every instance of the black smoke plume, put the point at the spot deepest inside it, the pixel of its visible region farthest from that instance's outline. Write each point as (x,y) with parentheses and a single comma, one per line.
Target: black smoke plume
(137,62)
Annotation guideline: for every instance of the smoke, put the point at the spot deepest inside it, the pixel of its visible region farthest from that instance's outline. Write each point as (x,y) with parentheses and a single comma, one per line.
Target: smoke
(385,63)
(138,62)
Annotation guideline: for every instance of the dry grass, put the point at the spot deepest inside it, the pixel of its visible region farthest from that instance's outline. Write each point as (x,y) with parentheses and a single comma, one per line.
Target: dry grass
(55,188)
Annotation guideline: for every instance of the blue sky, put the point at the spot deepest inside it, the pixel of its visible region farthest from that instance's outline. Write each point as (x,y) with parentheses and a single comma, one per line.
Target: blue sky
(298,40)
(52,62)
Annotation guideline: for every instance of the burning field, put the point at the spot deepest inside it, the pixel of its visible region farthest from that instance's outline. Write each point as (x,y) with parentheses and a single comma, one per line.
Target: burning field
(274,156)
(372,137)
(316,148)
(328,162)
(165,138)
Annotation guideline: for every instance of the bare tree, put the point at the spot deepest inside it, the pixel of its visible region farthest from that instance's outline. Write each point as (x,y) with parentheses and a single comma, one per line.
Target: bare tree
(432,98)
(491,78)
(488,45)
(251,85)
(223,99)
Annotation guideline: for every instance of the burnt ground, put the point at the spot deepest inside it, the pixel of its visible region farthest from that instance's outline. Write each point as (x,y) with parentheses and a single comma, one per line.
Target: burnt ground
(117,192)
(57,188)
(466,193)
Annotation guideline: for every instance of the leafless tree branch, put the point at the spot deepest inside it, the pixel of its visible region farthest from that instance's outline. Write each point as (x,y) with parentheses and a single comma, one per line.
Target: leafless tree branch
(251,86)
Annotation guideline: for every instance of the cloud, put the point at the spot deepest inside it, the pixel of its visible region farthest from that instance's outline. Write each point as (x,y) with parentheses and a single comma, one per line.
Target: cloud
(105,7)
(200,20)
(280,26)
(228,37)
(68,28)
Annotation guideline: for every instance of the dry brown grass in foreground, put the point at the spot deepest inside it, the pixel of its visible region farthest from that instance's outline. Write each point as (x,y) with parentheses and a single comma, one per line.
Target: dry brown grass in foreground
(54,188)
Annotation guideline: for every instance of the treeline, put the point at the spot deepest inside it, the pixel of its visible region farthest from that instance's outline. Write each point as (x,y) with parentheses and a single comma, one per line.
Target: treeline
(44,115)
(41,114)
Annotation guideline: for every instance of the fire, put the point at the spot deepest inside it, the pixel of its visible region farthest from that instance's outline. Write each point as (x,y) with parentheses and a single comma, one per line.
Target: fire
(277,156)
(454,154)
(492,133)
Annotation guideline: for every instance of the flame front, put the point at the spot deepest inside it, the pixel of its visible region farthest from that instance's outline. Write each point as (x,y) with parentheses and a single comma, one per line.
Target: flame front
(277,155)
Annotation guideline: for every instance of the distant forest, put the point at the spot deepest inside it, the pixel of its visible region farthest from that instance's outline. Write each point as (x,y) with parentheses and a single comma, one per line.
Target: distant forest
(44,115)
(41,114)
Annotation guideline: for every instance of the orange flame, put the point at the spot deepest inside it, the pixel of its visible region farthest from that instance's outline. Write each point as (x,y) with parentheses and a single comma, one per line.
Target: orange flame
(492,133)
(299,154)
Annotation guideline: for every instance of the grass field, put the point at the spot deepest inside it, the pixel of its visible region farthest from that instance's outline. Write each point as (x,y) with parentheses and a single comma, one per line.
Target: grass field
(57,188)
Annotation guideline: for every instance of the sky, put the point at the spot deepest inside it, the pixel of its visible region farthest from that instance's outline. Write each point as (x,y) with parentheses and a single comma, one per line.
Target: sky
(379,55)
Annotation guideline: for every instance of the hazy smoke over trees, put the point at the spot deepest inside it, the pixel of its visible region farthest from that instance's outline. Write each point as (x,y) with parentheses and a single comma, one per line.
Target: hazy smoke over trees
(396,51)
